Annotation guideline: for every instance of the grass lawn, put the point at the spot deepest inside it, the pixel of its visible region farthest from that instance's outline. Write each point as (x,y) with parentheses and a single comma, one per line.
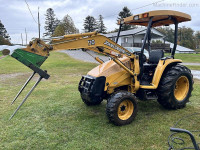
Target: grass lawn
(54,117)
(198,50)
(191,58)
(193,67)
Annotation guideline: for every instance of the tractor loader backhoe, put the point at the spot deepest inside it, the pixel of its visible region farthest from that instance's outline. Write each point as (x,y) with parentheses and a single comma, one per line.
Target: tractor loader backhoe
(127,75)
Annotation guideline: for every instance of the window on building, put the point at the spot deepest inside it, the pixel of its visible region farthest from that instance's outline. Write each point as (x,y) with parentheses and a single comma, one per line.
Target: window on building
(125,40)
(112,38)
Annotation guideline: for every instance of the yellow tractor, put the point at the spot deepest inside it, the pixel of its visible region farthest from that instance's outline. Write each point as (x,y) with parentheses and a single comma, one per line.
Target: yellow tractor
(128,75)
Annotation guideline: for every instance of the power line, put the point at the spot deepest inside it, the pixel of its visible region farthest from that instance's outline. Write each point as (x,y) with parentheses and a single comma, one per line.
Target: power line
(148,4)
(134,9)
(30,11)
(104,17)
(139,7)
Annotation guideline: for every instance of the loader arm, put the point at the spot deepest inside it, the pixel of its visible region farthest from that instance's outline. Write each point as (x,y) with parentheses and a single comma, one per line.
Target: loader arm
(37,51)
(35,54)
(92,41)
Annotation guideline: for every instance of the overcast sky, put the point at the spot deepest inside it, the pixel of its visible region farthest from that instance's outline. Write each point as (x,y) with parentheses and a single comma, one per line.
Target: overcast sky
(15,15)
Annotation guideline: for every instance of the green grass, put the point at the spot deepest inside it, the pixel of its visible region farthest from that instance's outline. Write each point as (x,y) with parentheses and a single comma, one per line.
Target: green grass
(1,53)
(193,67)
(187,58)
(54,117)
(191,58)
(197,50)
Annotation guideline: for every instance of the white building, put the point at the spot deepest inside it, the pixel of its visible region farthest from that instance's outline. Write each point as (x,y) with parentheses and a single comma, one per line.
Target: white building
(181,49)
(130,37)
(134,38)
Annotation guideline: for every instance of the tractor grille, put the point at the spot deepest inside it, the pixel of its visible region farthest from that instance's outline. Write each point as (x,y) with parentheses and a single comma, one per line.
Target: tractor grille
(92,87)
(86,83)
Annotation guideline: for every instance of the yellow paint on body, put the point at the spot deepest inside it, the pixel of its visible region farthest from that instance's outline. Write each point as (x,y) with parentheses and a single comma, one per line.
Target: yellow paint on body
(159,71)
(125,109)
(181,88)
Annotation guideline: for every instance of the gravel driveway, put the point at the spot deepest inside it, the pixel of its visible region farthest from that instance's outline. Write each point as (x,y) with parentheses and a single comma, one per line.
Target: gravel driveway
(84,56)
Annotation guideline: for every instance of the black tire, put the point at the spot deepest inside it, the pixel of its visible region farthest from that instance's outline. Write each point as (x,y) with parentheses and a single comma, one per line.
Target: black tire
(128,104)
(92,101)
(169,86)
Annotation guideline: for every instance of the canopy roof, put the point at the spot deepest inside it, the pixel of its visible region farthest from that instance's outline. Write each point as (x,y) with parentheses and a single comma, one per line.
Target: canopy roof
(160,17)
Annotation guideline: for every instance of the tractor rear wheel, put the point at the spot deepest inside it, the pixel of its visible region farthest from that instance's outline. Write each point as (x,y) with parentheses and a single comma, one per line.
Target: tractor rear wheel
(121,108)
(175,87)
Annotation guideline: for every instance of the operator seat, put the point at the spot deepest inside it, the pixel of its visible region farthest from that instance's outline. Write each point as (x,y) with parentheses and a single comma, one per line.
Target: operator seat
(155,56)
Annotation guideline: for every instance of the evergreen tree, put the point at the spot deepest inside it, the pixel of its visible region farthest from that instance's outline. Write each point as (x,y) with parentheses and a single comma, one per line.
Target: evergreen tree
(51,22)
(123,14)
(69,25)
(101,26)
(90,24)
(66,26)
(3,31)
(60,30)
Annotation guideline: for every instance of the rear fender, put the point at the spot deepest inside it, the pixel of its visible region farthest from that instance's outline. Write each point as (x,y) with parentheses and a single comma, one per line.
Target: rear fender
(162,65)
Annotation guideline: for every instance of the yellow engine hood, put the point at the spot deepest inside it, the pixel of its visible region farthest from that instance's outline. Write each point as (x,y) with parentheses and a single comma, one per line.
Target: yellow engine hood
(109,68)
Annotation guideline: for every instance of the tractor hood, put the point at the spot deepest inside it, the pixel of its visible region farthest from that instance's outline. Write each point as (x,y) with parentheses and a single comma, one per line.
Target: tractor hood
(109,68)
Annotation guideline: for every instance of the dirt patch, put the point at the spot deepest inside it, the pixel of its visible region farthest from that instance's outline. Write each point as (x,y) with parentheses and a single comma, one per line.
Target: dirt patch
(13,75)
(1,57)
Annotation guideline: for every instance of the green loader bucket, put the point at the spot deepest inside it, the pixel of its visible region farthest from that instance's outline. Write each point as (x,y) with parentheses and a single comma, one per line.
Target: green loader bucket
(31,60)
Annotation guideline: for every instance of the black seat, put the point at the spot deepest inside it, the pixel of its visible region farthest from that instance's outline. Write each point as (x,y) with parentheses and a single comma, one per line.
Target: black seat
(155,56)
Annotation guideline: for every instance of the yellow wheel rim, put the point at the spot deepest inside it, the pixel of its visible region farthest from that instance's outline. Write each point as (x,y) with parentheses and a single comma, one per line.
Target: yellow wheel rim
(125,109)
(181,88)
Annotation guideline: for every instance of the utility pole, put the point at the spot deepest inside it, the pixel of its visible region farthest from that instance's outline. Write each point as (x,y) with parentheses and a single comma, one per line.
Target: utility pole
(39,22)
(22,39)
(26,36)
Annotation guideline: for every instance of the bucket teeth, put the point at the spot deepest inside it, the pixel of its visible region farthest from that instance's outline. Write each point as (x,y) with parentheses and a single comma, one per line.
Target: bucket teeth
(29,93)
(29,79)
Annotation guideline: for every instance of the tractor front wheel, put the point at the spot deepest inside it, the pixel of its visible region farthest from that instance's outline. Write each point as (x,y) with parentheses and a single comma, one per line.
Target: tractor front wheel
(175,87)
(121,108)
(91,101)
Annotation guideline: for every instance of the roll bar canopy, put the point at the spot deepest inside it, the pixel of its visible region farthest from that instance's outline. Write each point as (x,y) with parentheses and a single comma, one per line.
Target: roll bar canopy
(160,17)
